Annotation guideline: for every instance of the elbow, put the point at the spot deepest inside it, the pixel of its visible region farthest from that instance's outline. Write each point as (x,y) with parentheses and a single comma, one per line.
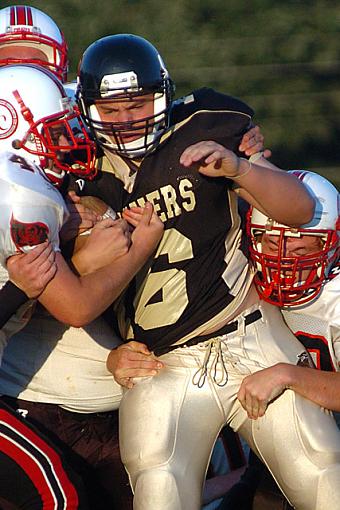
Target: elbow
(79,321)
(76,320)
(75,324)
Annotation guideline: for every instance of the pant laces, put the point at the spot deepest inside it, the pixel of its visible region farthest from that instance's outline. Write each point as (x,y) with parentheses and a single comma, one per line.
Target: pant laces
(218,368)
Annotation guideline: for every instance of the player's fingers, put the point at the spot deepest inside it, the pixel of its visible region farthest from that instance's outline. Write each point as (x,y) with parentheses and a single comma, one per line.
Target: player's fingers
(250,405)
(141,372)
(128,358)
(47,275)
(126,382)
(195,153)
(106,223)
(254,409)
(147,214)
(73,197)
(44,266)
(214,157)
(133,214)
(126,379)
(267,153)
(263,404)
(43,249)
(136,346)
(140,362)
(123,225)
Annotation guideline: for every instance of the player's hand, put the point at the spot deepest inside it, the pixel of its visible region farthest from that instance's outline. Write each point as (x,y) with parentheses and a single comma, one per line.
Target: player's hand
(259,389)
(133,215)
(80,220)
(108,240)
(148,232)
(32,271)
(130,360)
(253,143)
(212,160)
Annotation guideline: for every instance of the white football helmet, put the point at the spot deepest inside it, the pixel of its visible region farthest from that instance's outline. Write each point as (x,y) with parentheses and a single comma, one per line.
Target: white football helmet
(21,25)
(294,280)
(39,122)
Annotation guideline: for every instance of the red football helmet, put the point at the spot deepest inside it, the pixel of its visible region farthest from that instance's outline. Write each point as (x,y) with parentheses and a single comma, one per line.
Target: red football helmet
(23,27)
(39,122)
(294,279)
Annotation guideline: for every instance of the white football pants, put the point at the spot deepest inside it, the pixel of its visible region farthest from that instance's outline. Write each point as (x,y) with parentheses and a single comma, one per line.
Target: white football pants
(169,423)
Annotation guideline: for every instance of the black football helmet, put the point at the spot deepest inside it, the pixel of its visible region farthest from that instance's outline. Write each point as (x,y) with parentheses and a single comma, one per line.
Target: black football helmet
(119,68)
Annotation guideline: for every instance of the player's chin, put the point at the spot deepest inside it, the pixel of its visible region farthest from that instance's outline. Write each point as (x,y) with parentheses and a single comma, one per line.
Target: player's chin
(129,139)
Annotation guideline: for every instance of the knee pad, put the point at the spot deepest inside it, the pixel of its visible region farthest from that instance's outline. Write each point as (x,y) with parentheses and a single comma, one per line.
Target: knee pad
(154,489)
(300,444)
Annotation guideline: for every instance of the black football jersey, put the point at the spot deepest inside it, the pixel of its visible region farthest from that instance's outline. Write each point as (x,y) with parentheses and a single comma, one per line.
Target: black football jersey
(199,273)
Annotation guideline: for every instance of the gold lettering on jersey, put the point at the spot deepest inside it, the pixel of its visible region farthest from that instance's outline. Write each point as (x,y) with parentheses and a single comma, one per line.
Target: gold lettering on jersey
(169,202)
(185,189)
(169,196)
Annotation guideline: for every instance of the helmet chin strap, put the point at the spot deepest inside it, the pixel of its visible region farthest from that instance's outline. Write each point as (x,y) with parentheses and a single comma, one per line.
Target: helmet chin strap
(139,147)
(55,177)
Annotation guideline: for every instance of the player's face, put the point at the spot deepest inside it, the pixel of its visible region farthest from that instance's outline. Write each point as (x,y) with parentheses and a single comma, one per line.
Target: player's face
(127,111)
(59,137)
(292,247)
(12,51)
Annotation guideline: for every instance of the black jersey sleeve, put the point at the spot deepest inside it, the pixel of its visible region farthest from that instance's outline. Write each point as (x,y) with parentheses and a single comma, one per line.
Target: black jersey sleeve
(105,186)
(206,99)
(11,298)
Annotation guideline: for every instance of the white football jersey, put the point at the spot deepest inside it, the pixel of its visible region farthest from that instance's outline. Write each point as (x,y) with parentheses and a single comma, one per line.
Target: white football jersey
(31,209)
(317,325)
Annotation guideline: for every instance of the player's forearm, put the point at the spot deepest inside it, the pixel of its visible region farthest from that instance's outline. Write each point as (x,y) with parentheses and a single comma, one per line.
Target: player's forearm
(78,301)
(320,386)
(277,193)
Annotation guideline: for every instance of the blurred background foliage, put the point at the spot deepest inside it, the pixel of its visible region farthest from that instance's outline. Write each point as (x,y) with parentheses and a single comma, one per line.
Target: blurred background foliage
(282,58)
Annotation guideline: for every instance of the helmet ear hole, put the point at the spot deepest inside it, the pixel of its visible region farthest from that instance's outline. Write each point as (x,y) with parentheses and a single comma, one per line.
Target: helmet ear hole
(125,68)
(287,278)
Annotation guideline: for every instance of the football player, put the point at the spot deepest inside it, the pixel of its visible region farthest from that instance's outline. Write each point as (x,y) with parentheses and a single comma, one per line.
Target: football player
(39,130)
(298,271)
(29,36)
(33,471)
(38,146)
(194,305)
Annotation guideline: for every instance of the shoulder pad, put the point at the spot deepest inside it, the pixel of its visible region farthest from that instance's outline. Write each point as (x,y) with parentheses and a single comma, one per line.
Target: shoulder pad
(206,99)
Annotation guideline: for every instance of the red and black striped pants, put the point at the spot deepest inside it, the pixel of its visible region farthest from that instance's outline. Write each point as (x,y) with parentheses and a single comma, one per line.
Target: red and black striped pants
(33,473)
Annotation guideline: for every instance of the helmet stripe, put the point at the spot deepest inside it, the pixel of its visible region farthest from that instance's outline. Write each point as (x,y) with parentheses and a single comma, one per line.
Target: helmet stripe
(300,174)
(21,15)
(29,16)
(12,16)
